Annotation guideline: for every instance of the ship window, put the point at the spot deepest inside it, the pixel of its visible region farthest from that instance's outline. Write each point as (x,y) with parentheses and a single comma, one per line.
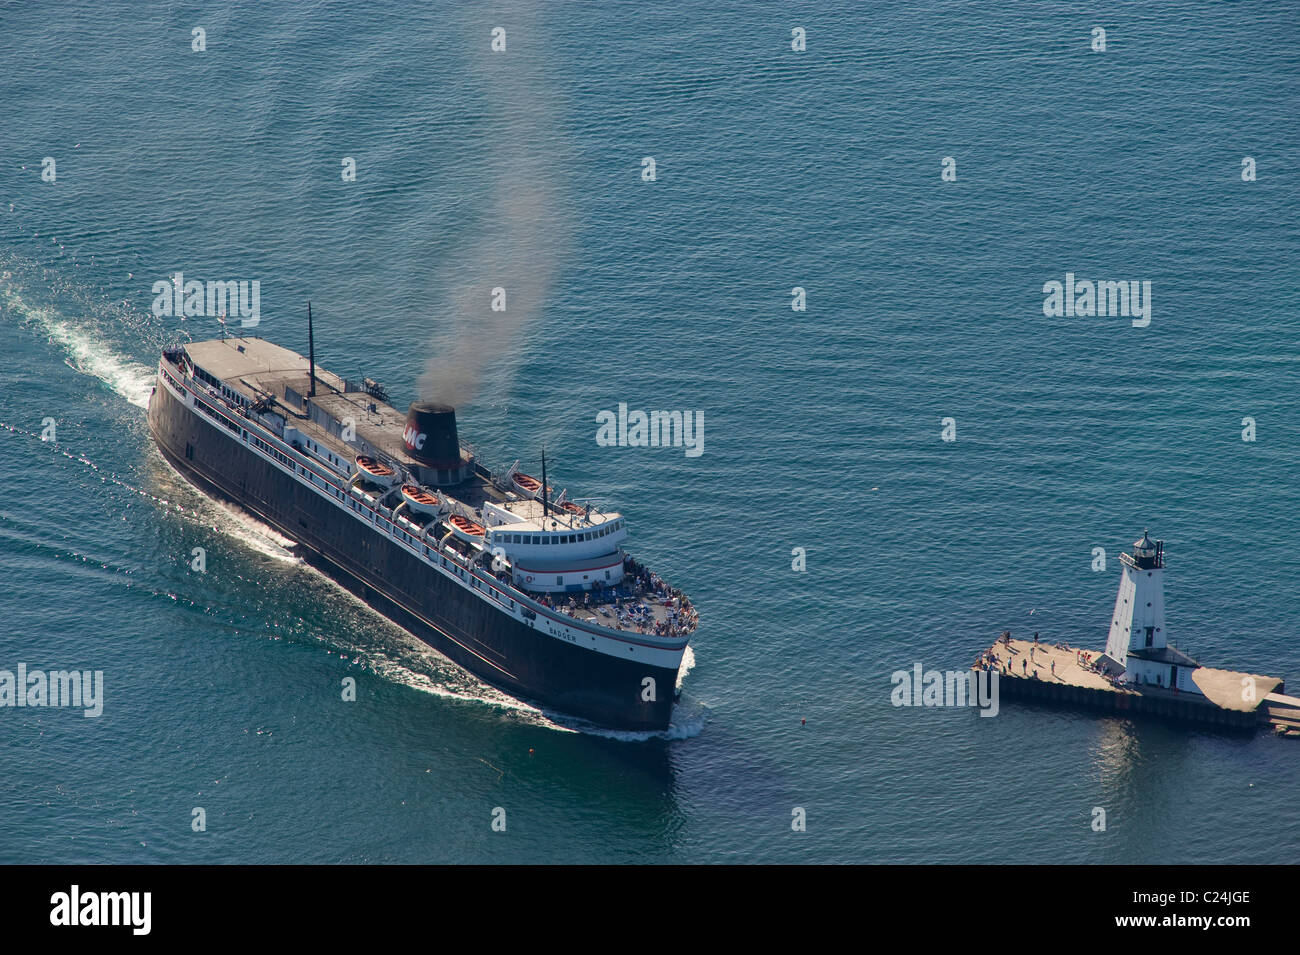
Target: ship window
(559,580)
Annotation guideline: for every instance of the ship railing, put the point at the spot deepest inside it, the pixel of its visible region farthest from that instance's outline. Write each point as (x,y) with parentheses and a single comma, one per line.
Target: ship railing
(529,600)
(466,564)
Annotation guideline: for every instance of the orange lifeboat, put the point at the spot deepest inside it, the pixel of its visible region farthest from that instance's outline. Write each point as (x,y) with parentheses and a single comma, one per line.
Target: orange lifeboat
(374,471)
(527,483)
(465,528)
(573,508)
(418,499)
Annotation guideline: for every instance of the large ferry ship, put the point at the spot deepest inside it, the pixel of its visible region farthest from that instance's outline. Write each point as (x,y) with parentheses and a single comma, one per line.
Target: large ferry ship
(530,591)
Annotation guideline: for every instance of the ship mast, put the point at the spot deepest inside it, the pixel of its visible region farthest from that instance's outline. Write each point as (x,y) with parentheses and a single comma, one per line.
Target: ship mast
(546,508)
(311,353)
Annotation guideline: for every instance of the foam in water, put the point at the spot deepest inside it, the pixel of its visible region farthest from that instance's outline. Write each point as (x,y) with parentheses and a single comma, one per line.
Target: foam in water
(85,352)
(688,664)
(236,524)
(687,720)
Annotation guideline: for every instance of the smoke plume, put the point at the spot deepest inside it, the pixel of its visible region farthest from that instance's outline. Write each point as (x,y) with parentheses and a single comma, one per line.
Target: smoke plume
(522,238)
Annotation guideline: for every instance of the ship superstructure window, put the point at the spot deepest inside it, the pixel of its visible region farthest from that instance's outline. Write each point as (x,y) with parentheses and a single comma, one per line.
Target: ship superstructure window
(202,375)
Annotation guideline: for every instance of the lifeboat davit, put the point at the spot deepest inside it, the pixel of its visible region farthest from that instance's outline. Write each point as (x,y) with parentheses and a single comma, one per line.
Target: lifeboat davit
(418,499)
(466,529)
(376,472)
(527,483)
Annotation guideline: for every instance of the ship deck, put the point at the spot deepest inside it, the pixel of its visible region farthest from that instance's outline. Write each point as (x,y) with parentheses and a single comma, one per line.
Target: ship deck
(258,370)
(642,603)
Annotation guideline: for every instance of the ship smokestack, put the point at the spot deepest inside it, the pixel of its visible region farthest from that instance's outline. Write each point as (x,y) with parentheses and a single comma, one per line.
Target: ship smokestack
(431,439)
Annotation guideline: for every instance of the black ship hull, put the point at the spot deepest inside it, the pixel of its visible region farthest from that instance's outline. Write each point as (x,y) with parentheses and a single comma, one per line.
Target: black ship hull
(499,649)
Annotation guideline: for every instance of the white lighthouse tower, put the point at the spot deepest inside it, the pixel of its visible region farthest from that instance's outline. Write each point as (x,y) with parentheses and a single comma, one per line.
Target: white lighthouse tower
(1137,649)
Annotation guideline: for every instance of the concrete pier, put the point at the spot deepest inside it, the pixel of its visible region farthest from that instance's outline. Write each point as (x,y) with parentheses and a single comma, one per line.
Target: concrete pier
(1227,699)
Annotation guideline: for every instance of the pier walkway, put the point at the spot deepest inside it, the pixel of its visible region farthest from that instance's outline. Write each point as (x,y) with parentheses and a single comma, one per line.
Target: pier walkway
(1069,674)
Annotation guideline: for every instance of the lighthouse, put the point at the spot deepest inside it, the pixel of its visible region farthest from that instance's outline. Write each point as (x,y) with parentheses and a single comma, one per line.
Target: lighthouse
(1137,649)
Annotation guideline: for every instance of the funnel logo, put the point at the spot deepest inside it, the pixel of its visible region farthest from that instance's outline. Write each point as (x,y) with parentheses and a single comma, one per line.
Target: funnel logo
(414,438)
(183,299)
